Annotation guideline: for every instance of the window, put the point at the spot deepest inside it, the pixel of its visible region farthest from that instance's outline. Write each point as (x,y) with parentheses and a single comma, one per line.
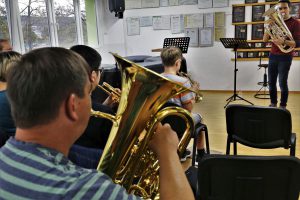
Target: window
(4,31)
(34,23)
(65,19)
(89,22)
(83,20)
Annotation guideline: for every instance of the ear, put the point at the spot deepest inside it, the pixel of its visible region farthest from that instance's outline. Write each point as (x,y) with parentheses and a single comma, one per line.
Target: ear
(93,76)
(71,107)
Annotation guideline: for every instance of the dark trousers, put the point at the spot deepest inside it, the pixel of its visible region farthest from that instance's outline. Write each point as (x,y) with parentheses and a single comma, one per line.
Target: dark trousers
(281,70)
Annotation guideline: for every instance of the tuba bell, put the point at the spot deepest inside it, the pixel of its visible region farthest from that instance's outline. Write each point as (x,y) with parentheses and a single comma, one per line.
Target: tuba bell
(126,157)
(277,28)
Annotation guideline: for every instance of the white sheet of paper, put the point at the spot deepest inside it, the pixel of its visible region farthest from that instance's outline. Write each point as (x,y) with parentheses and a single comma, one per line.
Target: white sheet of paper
(205,35)
(209,20)
(132,4)
(176,24)
(150,3)
(173,2)
(145,21)
(205,4)
(133,26)
(163,3)
(193,20)
(193,33)
(161,22)
(188,2)
(220,3)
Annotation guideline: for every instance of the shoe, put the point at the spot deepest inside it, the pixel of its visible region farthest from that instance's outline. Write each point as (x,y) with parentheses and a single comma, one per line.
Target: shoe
(186,154)
(273,105)
(282,107)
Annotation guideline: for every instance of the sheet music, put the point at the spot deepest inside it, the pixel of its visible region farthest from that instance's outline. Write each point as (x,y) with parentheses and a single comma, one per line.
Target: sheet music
(173,2)
(145,21)
(209,20)
(193,20)
(150,3)
(205,35)
(193,33)
(163,3)
(133,26)
(205,4)
(220,3)
(161,22)
(176,24)
(131,4)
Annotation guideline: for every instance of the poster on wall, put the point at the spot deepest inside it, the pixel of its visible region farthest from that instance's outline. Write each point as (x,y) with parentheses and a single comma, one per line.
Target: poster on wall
(193,33)
(145,21)
(220,3)
(133,4)
(193,20)
(150,3)
(162,22)
(219,19)
(257,31)
(209,20)
(203,4)
(238,14)
(133,26)
(188,2)
(206,37)
(176,24)
(241,31)
(173,2)
(163,3)
(219,33)
(257,13)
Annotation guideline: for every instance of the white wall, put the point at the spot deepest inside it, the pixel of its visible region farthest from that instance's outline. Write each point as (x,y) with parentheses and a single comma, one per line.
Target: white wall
(211,66)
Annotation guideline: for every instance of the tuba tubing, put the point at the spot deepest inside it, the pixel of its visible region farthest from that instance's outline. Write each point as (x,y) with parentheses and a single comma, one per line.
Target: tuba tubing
(126,157)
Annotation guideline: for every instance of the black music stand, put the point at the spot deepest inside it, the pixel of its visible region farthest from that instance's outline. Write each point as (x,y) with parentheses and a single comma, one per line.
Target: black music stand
(181,42)
(235,43)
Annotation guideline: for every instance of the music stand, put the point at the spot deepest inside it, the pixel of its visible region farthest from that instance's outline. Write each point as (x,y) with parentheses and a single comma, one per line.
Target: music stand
(181,42)
(235,43)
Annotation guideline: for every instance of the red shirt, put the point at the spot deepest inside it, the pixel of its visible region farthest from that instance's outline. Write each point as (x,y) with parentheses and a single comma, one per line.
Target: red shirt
(294,27)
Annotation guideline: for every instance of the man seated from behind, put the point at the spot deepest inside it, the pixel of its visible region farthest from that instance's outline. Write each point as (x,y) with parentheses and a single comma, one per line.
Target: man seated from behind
(49,91)
(171,58)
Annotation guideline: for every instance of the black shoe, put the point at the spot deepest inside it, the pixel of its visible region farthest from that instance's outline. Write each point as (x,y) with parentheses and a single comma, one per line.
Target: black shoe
(186,154)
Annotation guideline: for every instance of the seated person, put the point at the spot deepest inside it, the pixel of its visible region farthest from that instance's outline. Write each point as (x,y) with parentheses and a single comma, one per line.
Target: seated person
(6,122)
(98,129)
(49,91)
(171,58)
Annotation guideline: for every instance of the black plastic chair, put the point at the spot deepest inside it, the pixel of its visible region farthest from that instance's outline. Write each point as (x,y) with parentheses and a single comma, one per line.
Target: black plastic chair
(178,125)
(222,177)
(259,127)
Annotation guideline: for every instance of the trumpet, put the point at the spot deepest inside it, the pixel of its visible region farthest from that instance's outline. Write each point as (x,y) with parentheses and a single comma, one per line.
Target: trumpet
(195,86)
(116,95)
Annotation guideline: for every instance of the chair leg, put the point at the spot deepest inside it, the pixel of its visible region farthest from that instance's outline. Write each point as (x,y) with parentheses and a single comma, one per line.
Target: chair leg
(194,148)
(293,145)
(206,139)
(228,146)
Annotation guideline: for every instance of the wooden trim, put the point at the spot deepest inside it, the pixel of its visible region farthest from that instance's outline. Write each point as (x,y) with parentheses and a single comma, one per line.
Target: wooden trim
(256,59)
(260,49)
(241,23)
(261,3)
(244,91)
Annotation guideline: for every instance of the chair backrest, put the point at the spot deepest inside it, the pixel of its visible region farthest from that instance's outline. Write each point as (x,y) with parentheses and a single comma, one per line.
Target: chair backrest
(223,177)
(258,126)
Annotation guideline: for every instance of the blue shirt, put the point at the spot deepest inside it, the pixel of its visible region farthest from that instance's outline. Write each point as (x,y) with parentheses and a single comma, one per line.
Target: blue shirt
(31,171)
(6,121)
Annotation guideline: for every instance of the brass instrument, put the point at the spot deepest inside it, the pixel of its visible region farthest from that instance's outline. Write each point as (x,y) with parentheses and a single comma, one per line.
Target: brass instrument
(126,157)
(110,91)
(199,95)
(277,29)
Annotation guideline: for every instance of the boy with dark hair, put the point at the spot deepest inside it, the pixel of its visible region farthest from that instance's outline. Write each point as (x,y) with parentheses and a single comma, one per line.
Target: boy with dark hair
(49,91)
(171,58)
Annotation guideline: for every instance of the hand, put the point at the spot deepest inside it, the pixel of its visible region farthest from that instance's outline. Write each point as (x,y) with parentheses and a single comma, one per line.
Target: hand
(278,41)
(111,100)
(164,141)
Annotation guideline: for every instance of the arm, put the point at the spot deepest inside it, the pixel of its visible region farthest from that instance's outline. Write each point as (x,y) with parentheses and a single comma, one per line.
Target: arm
(266,37)
(188,106)
(173,182)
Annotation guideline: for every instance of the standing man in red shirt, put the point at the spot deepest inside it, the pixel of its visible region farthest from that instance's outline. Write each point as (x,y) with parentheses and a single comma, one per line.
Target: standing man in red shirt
(280,62)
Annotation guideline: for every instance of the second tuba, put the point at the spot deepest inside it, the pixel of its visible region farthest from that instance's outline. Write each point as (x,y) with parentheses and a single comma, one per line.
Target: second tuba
(126,157)
(277,29)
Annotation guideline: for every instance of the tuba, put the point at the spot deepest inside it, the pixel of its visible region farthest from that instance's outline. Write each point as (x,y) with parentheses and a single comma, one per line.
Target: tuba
(126,157)
(277,29)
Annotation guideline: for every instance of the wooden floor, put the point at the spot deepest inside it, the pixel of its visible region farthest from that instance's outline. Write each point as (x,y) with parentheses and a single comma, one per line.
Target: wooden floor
(213,112)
